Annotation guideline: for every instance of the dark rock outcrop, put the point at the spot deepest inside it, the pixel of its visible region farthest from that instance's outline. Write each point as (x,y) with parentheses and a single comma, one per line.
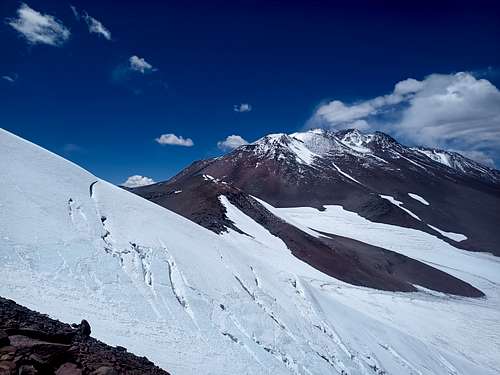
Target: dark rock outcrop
(32,343)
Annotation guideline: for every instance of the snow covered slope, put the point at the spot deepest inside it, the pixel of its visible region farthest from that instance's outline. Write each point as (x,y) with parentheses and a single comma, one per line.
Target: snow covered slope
(75,246)
(459,163)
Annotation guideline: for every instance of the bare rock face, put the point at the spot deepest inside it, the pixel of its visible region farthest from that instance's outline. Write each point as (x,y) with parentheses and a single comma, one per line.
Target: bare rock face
(85,328)
(33,344)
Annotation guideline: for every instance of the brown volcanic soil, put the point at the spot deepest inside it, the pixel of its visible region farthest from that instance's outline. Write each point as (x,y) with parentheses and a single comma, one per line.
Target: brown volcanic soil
(31,343)
(348,260)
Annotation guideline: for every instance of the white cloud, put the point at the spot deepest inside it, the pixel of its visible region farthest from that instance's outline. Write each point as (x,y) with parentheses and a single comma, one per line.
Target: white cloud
(10,79)
(341,116)
(408,86)
(451,111)
(140,65)
(137,180)
(231,142)
(96,27)
(243,107)
(172,139)
(39,28)
(454,111)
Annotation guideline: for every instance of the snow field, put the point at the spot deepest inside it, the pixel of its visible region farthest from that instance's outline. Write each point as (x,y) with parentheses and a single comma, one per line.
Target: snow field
(75,246)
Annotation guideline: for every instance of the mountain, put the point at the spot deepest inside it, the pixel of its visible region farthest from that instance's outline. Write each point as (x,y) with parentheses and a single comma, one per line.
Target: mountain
(269,288)
(373,175)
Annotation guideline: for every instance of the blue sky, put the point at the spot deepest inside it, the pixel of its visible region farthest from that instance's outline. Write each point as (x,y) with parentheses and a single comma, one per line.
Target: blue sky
(80,95)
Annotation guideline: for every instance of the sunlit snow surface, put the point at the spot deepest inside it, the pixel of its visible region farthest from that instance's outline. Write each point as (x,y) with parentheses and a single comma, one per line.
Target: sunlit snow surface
(419,198)
(74,246)
(454,236)
(399,204)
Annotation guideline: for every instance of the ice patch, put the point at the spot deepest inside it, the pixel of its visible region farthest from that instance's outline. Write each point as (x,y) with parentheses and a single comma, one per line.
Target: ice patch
(207,177)
(419,198)
(399,204)
(453,236)
(303,154)
(357,141)
(435,155)
(345,174)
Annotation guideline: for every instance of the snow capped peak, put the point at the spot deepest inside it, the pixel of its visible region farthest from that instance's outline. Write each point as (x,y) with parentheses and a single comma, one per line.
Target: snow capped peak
(317,131)
(318,141)
(369,149)
(384,139)
(458,162)
(271,141)
(442,157)
(282,146)
(274,137)
(309,145)
(356,140)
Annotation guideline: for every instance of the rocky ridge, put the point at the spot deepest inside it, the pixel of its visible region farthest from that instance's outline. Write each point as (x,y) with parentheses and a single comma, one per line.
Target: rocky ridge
(32,343)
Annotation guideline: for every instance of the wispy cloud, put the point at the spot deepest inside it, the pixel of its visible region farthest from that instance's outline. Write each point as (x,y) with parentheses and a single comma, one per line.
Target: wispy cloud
(243,107)
(137,180)
(10,78)
(139,64)
(96,27)
(452,111)
(231,142)
(75,12)
(174,140)
(38,28)
(138,76)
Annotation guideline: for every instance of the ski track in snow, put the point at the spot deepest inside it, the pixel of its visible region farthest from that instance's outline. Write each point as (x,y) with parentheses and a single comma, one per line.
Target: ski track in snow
(195,302)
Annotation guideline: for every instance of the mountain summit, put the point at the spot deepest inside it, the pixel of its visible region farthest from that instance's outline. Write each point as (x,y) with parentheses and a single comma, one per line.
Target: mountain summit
(370,149)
